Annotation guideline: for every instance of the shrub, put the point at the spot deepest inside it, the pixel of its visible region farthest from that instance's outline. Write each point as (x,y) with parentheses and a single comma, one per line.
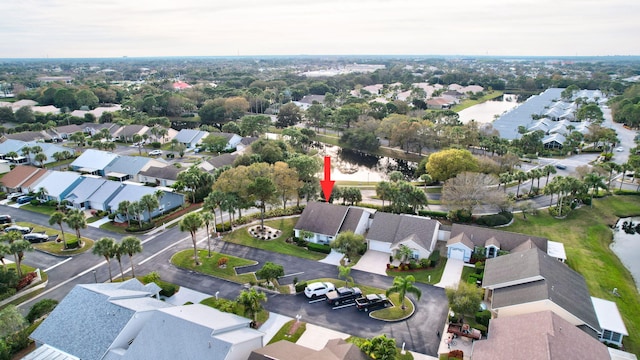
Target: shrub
(41,308)
(483,317)
(3,195)
(482,328)
(73,244)
(460,215)
(501,218)
(156,145)
(26,280)
(479,267)
(433,214)
(425,263)
(456,354)
(135,228)
(435,257)
(321,248)
(222,261)
(413,265)
(35,202)
(168,289)
(300,286)
(112,216)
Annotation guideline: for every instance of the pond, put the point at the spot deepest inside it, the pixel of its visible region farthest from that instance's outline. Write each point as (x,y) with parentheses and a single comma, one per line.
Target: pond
(487,111)
(352,165)
(626,245)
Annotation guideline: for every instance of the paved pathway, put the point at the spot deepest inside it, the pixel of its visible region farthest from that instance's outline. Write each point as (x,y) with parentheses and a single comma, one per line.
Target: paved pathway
(451,275)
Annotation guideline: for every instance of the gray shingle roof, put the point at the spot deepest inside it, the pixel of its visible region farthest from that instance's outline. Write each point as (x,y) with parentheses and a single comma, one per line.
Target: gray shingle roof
(167,172)
(322,218)
(84,189)
(130,165)
(351,221)
(508,241)
(130,193)
(394,228)
(533,275)
(94,159)
(222,160)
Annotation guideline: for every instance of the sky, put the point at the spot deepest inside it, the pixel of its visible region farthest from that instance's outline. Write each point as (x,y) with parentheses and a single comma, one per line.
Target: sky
(138,28)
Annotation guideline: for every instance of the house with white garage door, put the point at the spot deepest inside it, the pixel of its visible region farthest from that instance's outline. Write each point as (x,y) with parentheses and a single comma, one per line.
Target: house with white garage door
(325,221)
(390,231)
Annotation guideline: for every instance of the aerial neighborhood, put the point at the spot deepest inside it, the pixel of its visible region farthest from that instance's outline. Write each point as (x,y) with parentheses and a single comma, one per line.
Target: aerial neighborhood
(319,208)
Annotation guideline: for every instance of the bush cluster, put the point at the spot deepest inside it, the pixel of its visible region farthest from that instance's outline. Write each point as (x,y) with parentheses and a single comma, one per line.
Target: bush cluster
(300,286)
(483,317)
(433,214)
(26,280)
(136,228)
(321,248)
(41,308)
(501,218)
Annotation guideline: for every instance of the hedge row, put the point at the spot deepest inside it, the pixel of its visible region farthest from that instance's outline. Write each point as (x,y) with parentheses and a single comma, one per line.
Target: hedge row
(501,218)
(321,248)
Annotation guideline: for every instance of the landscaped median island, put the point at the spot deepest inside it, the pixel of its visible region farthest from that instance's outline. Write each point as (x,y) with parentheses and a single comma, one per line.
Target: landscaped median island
(57,247)
(219,265)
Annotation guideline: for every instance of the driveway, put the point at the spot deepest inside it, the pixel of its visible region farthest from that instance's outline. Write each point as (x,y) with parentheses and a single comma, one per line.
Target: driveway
(374,262)
(451,274)
(333,258)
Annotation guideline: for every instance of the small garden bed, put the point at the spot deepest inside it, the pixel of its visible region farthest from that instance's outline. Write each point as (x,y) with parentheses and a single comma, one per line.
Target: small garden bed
(430,275)
(264,232)
(215,265)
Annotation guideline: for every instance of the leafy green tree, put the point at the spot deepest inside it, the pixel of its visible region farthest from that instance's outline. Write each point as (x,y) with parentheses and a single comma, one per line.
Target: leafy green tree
(4,250)
(348,243)
(11,321)
(192,222)
(24,115)
(307,168)
(403,285)
(59,218)
(381,347)
(41,308)
(252,301)
(254,125)
(87,98)
(215,143)
(212,112)
(106,248)
(131,245)
(263,191)
(344,272)
(270,272)
(446,164)
(465,299)
(289,115)
(6,114)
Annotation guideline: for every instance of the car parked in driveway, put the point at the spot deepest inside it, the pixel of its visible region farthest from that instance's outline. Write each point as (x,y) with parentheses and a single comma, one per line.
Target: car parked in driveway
(343,295)
(22,229)
(318,289)
(36,237)
(14,196)
(372,302)
(24,199)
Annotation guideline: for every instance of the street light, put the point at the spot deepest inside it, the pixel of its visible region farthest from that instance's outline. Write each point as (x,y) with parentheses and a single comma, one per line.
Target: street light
(95,277)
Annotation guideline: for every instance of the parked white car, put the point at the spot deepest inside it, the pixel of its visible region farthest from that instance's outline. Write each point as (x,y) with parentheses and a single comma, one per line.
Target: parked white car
(155,152)
(318,289)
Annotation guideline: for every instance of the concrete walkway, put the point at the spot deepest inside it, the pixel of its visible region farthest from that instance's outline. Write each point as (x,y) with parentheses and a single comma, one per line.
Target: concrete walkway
(272,326)
(316,337)
(333,258)
(451,275)
(96,224)
(374,262)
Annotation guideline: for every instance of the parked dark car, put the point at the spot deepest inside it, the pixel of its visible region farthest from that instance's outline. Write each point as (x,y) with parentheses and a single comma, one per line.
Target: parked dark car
(22,229)
(24,199)
(5,219)
(36,237)
(343,295)
(372,302)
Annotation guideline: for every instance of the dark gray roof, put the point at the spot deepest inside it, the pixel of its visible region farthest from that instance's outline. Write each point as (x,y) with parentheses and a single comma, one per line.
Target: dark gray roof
(168,172)
(322,218)
(222,160)
(352,220)
(87,321)
(29,136)
(533,275)
(394,228)
(508,241)
(248,140)
(130,130)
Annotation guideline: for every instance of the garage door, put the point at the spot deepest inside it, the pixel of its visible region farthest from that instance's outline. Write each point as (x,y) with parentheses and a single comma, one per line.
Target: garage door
(380,246)
(457,254)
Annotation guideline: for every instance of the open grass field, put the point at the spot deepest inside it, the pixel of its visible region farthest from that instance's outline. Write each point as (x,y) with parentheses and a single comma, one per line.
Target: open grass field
(586,234)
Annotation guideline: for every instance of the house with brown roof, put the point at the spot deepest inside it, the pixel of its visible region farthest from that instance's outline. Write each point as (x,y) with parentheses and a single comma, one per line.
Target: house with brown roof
(335,349)
(532,281)
(464,240)
(388,232)
(541,335)
(20,178)
(325,221)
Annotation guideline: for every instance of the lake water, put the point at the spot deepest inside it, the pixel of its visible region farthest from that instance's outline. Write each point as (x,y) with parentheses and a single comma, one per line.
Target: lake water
(627,247)
(486,111)
(350,165)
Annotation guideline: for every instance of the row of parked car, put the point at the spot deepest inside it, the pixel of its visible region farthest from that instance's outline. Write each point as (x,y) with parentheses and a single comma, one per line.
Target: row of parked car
(20,198)
(345,296)
(27,232)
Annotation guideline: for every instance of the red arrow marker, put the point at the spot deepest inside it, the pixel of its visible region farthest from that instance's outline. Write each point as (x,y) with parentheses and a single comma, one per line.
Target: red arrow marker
(327,183)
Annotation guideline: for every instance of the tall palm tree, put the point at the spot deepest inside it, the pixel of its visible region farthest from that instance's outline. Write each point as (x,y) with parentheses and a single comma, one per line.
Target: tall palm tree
(131,245)
(18,248)
(26,151)
(548,170)
(192,222)
(134,208)
(594,182)
(403,253)
(59,217)
(12,155)
(149,201)
(4,250)
(117,253)
(123,208)
(624,168)
(403,285)
(137,138)
(40,158)
(252,301)
(505,178)
(520,176)
(105,247)
(207,218)
(76,220)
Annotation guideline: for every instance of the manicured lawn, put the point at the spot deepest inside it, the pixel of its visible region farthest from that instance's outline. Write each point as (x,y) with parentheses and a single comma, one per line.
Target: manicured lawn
(586,234)
(469,103)
(209,266)
(283,333)
(114,228)
(242,237)
(395,312)
(55,247)
(231,306)
(423,275)
(42,209)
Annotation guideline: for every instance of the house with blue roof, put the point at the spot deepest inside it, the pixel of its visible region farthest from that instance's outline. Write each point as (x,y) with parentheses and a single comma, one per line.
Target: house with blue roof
(58,184)
(128,167)
(100,198)
(168,200)
(190,137)
(79,196)
(93,162)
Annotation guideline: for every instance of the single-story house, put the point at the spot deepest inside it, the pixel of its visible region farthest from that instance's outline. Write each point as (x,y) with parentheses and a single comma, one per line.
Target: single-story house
(190,137)
(48,149)
(554,141)
(390,231)
(541,335)
(610,320)
(93,128)
(127,167)
(530,281)
(465,239)
(160,175)
(325,221)
(65,131)
(79,196)
(27,136)
(232,139)
(58,184)
(4,166)
(245,143)
(19,179)
(168,201)
(127,132)
(100,198)
(335,349)
(125,321)
(93,162)
(217,162)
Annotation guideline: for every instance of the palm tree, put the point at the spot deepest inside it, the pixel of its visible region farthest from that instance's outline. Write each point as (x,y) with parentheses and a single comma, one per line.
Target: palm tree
(76,220)
(40,158)
(25,152)
(137,138)
(163,132)
(426,178)
(520,176)
(135,209)
(207,218)
(252,301)
(149,201)
(4,250)
(18,248)
(59,217)
(403,285)
(548,170)
(403,253)
(594,182)
(58,156)
(383,191)
(105,247)
(610,167)
(192,222)
(131,245)
(117,253)
(624,168)
(505,178)
(123,208)
(12,155)
(344,272)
